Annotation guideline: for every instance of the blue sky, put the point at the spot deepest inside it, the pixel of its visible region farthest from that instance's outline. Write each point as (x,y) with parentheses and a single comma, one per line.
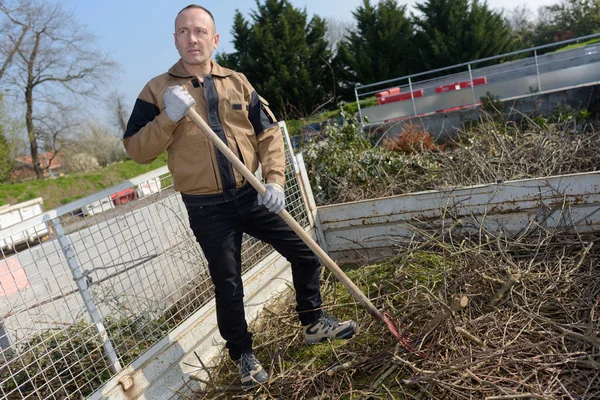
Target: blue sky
(138,34)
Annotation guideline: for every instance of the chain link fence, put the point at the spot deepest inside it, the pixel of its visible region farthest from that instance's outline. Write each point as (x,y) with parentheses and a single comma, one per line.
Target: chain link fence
(95,283)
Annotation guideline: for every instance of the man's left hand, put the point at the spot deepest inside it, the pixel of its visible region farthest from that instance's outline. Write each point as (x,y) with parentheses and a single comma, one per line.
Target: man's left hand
(273,199)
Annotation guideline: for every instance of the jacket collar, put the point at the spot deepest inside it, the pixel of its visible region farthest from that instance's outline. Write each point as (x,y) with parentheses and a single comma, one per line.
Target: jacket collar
(179,70)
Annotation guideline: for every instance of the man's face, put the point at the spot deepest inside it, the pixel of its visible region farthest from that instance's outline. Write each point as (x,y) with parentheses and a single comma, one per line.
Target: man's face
(195,37)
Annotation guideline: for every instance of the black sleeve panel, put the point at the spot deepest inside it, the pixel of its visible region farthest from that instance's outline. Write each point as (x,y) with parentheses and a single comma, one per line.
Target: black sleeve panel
(258,115)
(143,112)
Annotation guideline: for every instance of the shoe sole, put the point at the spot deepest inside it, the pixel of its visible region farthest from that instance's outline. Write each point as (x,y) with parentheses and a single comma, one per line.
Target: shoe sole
(253,384)
(344,336)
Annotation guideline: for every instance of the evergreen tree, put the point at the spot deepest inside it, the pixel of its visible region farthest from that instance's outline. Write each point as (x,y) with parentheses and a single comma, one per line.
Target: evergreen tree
(284,56)
(455,31)
(379,48)
(241,37)
(7,163)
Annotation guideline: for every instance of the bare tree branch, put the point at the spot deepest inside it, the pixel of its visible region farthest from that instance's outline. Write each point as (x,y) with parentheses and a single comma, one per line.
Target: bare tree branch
(11,53)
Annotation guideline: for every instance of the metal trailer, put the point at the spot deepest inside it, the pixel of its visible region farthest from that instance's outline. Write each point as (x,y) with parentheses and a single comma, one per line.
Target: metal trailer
(12,214)
(118,305)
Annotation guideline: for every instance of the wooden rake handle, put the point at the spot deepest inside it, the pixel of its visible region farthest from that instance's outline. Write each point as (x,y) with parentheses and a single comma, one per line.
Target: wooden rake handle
(329,263)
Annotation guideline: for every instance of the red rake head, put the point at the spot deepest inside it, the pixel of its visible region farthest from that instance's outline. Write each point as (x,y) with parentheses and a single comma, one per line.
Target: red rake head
(401,334)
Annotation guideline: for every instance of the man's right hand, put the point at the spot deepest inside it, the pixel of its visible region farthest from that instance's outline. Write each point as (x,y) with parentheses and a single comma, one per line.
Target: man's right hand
(177,102)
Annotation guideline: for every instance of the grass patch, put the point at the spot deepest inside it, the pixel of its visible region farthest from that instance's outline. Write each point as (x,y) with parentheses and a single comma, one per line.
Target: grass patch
(63,190)
(578,45)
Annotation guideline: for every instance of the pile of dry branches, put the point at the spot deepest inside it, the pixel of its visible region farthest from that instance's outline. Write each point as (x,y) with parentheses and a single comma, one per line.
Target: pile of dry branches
(510,150)
(530,329)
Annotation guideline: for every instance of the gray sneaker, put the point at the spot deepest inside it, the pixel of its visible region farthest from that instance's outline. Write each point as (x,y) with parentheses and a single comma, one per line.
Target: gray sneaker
(251,372)
(328,327)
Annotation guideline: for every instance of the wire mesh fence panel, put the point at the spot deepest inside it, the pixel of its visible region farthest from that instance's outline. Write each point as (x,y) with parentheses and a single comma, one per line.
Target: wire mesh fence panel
(87,288)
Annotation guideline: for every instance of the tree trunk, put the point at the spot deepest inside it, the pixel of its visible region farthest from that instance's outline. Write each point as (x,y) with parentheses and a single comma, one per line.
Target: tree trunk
(31,132)
(121,115)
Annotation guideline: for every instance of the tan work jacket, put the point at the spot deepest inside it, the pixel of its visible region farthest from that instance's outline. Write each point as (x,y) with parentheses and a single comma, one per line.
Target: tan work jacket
(233,109)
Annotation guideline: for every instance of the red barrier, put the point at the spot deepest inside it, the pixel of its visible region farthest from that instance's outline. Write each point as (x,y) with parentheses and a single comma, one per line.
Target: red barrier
(450,109)
(123,197)
(382,95)
(400,97)
(461,85)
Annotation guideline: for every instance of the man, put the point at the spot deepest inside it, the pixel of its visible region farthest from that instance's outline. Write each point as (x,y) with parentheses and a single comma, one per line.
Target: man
(220,203)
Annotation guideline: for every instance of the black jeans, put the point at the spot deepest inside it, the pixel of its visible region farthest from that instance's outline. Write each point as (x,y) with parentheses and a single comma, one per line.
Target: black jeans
(218,229)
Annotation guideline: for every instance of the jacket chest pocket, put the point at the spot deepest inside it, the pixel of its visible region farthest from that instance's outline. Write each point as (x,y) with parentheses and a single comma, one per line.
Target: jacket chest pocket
(234,111)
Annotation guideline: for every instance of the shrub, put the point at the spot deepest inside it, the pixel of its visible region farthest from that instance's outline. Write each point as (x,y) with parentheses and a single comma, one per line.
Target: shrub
(352,108)
(344,165)
(492,105)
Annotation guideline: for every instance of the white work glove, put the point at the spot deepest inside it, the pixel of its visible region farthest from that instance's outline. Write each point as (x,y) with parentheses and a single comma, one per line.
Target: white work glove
(273,199)
(177,102)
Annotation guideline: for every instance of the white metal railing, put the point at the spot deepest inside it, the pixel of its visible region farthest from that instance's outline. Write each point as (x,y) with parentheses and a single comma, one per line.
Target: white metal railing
(114,274)
(427,92)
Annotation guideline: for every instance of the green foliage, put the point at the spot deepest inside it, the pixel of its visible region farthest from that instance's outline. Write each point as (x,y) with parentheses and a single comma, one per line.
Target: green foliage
(594,109)
(379,48)
(293,126)
(6,161)
(492,105)
(342,159)
(284,56)
(451,32)
(578,45)
(426,268)
(569,19)
(352,108)
(565,113)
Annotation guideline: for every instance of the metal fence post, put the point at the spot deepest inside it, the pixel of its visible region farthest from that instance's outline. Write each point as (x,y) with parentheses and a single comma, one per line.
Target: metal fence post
(67,249)
(472,86)
(412,97)
(537,71)
(5,345)
(358,105)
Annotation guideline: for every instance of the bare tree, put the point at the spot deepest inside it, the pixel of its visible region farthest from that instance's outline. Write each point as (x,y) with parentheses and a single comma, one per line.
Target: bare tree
(522,23)
(336,31)
(55,63)
(519,17)
(102,144)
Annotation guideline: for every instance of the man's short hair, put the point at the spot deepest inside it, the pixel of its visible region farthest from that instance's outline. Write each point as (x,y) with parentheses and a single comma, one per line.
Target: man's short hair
(200,7)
